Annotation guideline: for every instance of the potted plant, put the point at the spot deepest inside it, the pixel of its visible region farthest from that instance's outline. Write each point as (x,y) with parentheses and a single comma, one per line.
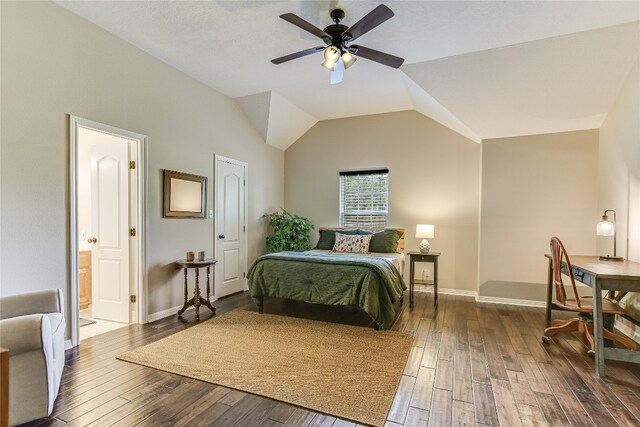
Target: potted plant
(288,232)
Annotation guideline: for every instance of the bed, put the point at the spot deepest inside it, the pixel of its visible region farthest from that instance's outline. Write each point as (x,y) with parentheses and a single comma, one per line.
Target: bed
(372,281)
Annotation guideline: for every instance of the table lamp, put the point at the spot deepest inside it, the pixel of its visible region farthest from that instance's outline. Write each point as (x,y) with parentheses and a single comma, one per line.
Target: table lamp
(424,232)
(608,228)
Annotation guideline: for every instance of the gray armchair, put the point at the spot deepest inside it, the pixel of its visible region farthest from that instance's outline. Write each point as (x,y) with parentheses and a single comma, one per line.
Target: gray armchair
(32,328)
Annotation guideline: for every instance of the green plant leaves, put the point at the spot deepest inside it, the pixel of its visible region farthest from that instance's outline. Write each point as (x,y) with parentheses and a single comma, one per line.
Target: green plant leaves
(288,232)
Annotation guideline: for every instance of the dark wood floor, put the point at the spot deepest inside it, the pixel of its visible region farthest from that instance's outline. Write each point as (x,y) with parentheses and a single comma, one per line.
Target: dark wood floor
(471,364)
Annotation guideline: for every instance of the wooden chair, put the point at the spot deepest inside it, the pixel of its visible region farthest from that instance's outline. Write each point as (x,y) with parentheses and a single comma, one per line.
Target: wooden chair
(583,306)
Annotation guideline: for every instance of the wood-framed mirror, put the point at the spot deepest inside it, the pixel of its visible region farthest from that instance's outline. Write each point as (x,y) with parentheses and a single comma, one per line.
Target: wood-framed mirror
(185,195)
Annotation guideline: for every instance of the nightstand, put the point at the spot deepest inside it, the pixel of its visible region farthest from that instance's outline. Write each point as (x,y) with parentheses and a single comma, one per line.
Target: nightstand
(420,257)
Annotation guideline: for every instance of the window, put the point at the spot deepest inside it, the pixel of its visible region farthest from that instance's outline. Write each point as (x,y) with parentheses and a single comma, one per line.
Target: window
(364,199)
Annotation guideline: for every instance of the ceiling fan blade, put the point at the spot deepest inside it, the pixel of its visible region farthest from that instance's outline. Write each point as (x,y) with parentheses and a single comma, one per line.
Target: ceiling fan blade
(337,73)
(297,55)
(299,22)
(374,18)
(377,56)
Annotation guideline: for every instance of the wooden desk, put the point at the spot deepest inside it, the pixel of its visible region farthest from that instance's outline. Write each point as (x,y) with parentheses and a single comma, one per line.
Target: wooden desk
(601,275)
(197,300)
(420,257)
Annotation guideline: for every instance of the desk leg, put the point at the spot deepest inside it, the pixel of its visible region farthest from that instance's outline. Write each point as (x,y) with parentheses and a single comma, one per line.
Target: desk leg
(411,272)
(597,327)
(549,290)
(435,282)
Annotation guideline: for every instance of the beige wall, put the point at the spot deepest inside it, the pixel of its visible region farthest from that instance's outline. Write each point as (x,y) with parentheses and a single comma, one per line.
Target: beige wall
(619,169)
(433,178)
(55,64)
(533,188)
(619,173)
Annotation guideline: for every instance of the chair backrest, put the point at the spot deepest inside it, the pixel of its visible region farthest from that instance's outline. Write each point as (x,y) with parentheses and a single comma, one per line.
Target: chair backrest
(47,301)
(558,254)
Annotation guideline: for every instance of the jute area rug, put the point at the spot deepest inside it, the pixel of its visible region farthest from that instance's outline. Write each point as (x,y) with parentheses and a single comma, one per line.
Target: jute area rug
(345,371)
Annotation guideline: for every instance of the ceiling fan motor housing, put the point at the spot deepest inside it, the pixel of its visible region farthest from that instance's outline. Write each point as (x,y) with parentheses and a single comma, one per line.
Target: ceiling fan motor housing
(335,31)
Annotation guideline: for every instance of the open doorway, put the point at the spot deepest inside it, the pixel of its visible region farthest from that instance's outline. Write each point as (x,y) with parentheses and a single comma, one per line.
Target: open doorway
(107,228)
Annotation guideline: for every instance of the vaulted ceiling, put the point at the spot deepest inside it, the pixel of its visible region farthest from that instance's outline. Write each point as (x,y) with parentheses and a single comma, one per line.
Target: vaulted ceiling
(484,69)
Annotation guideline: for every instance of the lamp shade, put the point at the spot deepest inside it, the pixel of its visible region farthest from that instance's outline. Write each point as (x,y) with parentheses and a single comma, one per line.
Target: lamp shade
(605,228)
(348,59)
(331,54)
(425,231)
(329,65)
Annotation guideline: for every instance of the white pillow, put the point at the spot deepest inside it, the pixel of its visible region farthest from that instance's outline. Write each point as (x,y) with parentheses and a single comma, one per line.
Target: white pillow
(352,243)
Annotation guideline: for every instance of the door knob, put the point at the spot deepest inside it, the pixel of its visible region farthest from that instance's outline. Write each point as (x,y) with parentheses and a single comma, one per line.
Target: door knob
(220,236)
(92,240)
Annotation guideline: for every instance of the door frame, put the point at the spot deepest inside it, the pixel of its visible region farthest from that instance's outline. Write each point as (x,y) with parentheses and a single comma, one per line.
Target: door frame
(137,212)
(245,165)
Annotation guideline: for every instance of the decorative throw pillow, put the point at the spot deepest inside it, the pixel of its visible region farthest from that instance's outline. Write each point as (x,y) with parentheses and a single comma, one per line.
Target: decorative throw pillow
(385,241)
(351,243)
(328,238)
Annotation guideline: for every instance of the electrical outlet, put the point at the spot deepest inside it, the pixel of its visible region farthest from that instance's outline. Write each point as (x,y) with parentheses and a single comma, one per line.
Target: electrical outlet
(210,213)
(83,235)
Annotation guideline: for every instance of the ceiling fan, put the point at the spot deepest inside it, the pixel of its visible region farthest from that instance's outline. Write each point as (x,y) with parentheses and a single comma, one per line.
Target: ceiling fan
(338,50)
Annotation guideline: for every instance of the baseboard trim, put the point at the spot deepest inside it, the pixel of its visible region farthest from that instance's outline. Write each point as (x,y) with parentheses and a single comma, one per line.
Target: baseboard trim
(446,291)
(461,292)
(482,298)
(67,344)
(511,301)
(162,314)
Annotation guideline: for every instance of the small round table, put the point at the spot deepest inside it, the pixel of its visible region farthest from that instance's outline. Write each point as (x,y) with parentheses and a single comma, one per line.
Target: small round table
(197,300)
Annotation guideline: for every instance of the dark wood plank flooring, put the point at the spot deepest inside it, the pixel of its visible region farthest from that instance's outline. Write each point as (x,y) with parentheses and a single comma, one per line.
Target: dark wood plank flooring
(471,364)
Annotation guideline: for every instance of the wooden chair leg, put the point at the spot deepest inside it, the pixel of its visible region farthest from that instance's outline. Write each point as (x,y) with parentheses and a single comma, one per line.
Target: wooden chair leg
(567,326)
(625,341)
(587,329)
(558,322)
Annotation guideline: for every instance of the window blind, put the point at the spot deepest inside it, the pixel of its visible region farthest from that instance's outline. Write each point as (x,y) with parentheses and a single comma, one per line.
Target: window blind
(364,199)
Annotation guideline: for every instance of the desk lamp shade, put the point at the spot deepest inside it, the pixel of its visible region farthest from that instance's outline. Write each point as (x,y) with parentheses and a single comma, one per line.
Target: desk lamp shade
(424,232)
(608,228)
(605,228)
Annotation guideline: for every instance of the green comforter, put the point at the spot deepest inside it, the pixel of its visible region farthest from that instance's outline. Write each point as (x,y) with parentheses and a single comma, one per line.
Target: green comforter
(370,283)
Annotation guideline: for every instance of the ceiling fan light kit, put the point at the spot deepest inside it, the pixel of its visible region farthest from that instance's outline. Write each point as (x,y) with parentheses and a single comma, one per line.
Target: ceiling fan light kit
(329,65)
(331,56)
(337,38)
(348,59)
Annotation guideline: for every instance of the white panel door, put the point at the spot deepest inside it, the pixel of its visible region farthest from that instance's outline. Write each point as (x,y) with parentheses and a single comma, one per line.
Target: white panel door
(230,227)
(110,229)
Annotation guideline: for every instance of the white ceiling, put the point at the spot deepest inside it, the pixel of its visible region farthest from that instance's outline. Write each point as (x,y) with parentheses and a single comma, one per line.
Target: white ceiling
(484,69)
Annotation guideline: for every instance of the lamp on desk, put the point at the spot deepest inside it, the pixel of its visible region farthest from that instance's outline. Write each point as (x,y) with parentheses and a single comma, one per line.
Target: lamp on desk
(424,232)
(608,228)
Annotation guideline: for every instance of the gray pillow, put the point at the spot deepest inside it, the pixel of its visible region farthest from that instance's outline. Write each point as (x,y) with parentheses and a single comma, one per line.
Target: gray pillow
(328,238)
(385,241)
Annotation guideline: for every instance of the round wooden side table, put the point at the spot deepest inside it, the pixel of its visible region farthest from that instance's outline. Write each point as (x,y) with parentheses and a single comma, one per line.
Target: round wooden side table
(197,300)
